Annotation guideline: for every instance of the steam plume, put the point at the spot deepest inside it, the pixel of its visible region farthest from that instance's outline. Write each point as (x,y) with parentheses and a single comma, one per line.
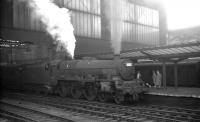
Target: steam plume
(115,17)
(57,23)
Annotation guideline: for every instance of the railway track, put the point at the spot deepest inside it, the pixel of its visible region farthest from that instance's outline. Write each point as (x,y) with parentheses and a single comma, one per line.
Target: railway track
(155,111)
(11,117)
(112,112)
(24,112)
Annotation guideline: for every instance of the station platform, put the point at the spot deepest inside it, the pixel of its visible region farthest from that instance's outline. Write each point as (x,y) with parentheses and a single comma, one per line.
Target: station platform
(175,92)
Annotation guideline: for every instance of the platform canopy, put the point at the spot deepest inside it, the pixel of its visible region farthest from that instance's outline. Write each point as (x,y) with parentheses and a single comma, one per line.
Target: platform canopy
(162,53)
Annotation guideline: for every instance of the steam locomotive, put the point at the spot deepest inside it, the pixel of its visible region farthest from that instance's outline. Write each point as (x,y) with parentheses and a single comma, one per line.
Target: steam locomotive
(89,78)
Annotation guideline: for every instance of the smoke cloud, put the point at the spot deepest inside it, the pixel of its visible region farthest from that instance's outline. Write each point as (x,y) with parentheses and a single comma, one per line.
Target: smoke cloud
(57,23)
(115,17)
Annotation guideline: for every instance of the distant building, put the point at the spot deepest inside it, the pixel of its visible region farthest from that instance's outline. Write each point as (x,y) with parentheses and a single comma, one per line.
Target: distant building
(184,36)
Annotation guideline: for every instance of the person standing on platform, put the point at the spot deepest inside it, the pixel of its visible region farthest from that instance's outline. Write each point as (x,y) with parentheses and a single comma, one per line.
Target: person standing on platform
(154,78)
(158,79)
(138,75)
(139,78)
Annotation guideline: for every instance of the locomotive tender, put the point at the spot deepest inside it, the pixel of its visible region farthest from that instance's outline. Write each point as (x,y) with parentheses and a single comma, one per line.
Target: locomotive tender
(88,78)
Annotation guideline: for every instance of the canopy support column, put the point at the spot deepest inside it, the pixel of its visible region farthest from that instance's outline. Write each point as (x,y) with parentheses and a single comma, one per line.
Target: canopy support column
(164,74)
(175,75)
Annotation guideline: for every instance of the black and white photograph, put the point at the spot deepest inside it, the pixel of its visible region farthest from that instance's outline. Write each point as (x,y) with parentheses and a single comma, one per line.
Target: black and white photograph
(99,60)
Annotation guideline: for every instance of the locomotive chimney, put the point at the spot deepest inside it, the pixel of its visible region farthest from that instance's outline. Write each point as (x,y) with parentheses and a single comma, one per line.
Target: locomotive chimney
(116,56)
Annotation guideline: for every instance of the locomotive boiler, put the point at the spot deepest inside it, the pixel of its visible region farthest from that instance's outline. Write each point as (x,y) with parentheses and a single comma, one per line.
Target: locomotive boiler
(96,79)
(88,78)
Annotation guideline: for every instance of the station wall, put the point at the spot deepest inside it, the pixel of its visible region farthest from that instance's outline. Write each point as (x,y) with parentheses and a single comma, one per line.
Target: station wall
(141,26)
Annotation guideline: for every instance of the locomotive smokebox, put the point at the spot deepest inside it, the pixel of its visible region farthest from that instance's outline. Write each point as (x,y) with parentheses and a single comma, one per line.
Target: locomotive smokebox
(116,56)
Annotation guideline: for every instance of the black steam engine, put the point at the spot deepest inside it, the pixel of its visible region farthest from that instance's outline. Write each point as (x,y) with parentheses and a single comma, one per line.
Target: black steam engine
(90,78)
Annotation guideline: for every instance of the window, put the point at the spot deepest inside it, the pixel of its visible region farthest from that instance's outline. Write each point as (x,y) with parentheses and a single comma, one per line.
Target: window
(86,17)
(140,24)
(147,16)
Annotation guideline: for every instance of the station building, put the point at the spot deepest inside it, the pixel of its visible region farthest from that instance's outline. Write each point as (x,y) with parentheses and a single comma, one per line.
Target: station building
(24,40)
(143,23)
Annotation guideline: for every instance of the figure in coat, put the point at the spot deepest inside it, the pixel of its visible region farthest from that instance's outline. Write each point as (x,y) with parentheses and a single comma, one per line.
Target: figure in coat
(158,79)
(154,78)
